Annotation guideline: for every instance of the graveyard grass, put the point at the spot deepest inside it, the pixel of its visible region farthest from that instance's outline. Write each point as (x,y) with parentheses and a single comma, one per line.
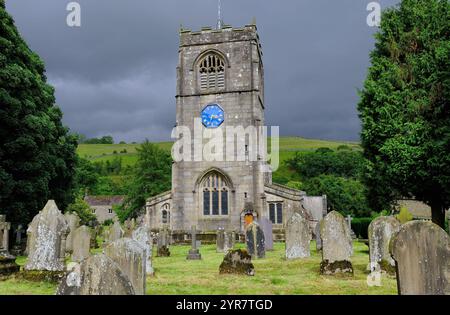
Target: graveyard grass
(274,275)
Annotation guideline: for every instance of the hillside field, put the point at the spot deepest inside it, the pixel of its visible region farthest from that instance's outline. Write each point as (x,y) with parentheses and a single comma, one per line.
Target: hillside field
(288,147)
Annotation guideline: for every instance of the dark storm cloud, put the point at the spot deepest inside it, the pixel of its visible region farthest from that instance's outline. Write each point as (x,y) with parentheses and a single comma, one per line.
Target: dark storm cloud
(116,74)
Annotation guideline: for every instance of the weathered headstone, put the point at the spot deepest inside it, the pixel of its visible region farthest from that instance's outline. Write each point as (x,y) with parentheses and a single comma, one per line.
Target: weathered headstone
(163,243)
(81,243)
(97,275)
(237,262)
(349,222)
(267,227)
(4,233)
(229,241)
(47,240)
(142,235)
(194,252)
(8,264)
(220,240)
(337,247)
(421,251)
(318,236)
(129,255)
(115,232)
(380,233)
(73,221)
(254,238)
(17,249)
(298,237)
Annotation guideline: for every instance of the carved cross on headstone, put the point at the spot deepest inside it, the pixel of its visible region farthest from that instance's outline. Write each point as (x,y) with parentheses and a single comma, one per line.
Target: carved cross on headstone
(194,253)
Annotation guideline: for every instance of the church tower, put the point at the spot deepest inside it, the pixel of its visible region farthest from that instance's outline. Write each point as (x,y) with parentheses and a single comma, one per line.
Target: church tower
(220,84)
(220,87)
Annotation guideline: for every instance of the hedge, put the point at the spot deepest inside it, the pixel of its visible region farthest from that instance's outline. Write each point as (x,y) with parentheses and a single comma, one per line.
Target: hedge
(360,226)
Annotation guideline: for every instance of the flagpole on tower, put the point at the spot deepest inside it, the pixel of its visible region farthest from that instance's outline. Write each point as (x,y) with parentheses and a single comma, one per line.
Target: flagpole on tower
(219,15)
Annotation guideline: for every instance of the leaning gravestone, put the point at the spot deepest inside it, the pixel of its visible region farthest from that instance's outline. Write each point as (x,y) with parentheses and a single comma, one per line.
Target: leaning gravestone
(337,245)
(298,237)
(421,251)
(73,221)
(267,227)
(143,237)
(318,236)
(380,233)
(97,275)
(47,240)
(129,255)
(81,243)
(254,238)
(115,232)
(237,262)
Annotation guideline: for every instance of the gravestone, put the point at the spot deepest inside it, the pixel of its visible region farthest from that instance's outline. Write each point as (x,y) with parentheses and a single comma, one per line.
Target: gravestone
(254,238)
(73,221)
(220,240)
(421,251)
(96,275)
(8,264)
(267,227)
(129,255)
(163,243)
(230,238)
(4,233)
(318,236)
(47,240)
(143,236)
(237,262)
(81,243)
(194,252)
(349,222)
(298,237)
(115,232)
(337,245)
(380,233)
(17,249)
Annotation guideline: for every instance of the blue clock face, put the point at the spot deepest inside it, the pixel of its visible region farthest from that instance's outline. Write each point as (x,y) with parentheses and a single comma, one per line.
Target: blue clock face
(213,116)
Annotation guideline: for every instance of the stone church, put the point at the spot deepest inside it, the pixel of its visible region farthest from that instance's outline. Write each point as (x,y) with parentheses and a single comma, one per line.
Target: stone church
(220,81)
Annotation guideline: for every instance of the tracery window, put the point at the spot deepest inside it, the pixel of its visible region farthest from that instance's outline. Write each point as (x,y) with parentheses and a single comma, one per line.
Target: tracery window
(215,190)
(212,72)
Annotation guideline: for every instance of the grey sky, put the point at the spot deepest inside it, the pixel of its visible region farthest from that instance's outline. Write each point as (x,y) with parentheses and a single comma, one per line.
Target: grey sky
(115,75)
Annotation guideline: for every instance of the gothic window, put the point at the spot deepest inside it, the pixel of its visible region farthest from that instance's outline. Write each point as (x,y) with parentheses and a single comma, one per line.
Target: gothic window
(215,195)
(165,213)
(276,213)
(212,72)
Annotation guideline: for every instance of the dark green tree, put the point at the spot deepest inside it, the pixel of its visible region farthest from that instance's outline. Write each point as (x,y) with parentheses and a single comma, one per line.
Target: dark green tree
(152,176)
(345,195)
(37,154)
(405,108)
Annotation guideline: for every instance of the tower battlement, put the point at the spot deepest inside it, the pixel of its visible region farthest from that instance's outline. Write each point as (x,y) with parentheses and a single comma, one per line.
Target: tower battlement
(209,35)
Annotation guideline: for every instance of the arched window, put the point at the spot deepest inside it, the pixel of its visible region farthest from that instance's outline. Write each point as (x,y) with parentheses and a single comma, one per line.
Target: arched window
(215,195)
(276,212)
(165,213)
(212,72)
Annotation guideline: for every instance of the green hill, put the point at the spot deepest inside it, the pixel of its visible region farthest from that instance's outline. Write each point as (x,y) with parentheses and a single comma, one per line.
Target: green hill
(288,147)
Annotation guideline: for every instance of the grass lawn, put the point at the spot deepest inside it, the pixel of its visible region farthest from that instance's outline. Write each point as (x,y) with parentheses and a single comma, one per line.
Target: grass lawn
(274,275)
